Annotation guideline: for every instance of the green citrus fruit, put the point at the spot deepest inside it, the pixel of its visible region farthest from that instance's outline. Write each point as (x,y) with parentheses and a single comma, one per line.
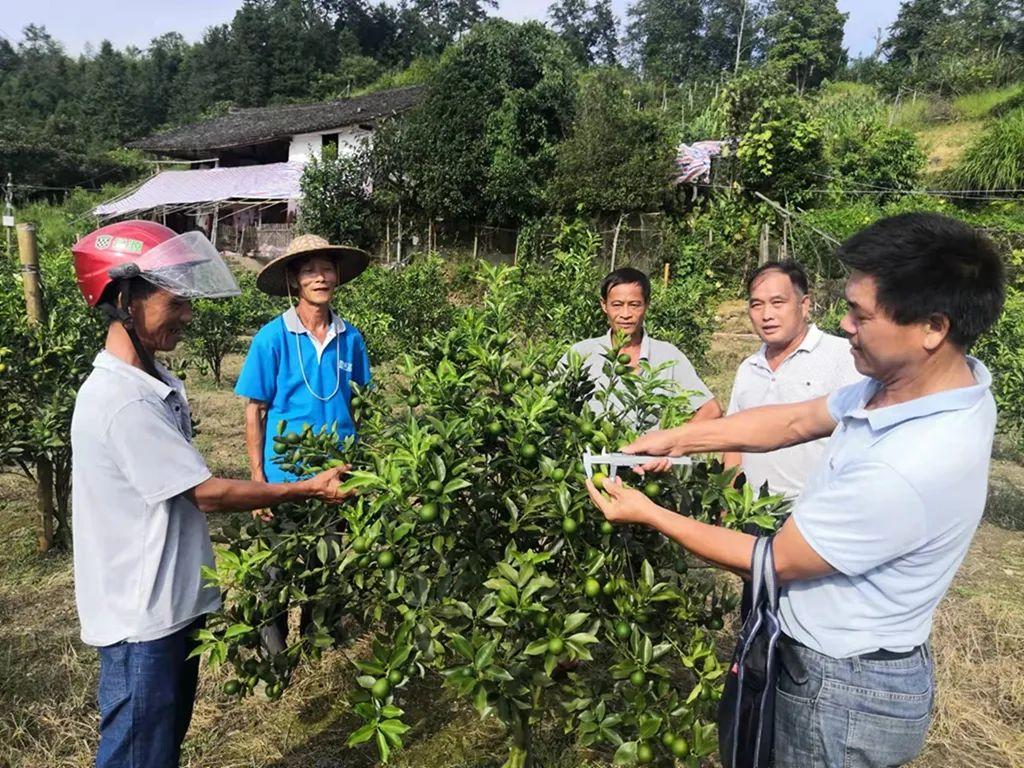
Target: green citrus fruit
(540,620)
(652,489)
(638,678)
(526,373)
(555,646)
(232,687)
(599,479)
(668,739)
(592,587)
(494,429)
(429,512)
(715,622)
(621,370)
(569,525)
(558,474)
(508,388)
(623,359)
(435,486)
(280,448)
(607,528)
(644,753)
(381,688)
(412,401)
(356,402)
(274,691)
(360,546)
(680,747)
(386,559)
(622,630)
(529,451)
(395,676)
(609,587)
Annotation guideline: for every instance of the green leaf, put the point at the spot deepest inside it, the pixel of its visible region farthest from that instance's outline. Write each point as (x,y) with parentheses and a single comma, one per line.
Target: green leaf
(362,735)
(382,747)
(625,754)
(397,727)
(575,620)
(537,647)
(235,630)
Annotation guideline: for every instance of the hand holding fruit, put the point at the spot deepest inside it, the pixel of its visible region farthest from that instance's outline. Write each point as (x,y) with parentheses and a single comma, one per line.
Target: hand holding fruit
(623,504)
(327,485)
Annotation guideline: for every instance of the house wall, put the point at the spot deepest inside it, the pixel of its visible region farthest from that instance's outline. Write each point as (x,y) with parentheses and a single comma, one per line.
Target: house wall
(306,145)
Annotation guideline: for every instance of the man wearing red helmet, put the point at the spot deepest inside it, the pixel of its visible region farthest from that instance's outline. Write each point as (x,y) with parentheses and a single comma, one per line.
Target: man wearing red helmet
(140,489)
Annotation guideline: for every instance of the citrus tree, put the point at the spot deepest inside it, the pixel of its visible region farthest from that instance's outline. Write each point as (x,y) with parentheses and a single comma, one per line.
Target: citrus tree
(473,552)
(41,368)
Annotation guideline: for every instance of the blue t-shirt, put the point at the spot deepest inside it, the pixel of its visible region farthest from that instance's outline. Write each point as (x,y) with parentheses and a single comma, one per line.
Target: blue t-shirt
(892,507)
(272,374)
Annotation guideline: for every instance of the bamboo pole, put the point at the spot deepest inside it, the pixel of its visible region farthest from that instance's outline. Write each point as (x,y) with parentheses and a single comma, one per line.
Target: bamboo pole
(665,274)
(35,311)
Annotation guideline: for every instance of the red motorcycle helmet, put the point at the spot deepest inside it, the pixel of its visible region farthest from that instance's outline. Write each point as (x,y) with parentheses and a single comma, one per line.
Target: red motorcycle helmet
(186,265)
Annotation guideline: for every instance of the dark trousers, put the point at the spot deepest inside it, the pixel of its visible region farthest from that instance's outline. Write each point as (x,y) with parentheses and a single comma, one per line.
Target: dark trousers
(146,694)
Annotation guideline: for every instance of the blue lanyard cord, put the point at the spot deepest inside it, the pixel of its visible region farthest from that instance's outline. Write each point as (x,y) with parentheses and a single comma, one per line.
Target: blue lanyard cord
(298,353)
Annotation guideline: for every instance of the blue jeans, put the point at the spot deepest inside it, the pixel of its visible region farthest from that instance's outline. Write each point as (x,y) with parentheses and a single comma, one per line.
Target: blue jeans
(146,693)
(851,713)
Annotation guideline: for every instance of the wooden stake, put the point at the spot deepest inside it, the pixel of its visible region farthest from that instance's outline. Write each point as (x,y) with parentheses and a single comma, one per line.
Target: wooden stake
(476,241)
(615,240)
(665,274)
(763,253)
(398,249)
(35,310)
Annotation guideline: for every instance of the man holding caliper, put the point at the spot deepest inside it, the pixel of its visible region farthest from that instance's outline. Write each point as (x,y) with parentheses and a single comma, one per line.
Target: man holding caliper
(887,516)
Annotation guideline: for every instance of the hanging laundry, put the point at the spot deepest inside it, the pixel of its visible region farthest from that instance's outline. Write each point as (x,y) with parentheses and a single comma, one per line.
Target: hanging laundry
(693,161)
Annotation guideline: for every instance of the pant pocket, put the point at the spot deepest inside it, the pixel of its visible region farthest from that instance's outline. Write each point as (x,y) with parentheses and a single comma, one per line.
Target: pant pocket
(114,685)
(881,741)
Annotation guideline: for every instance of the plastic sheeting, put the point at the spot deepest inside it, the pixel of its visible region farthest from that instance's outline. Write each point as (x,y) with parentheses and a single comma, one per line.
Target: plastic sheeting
(276,181)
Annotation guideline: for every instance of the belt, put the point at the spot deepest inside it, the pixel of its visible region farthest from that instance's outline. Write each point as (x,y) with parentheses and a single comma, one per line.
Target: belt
(880,655)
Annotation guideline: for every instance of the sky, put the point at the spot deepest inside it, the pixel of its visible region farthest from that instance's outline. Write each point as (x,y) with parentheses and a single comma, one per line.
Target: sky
(76,23)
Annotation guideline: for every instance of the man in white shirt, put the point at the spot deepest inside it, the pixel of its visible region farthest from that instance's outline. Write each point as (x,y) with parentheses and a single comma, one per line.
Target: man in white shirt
(796,362)
(140,489)
(625,298)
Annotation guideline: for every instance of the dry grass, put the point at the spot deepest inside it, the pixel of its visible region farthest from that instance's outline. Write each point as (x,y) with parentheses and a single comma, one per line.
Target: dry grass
(48,715)
(945,143)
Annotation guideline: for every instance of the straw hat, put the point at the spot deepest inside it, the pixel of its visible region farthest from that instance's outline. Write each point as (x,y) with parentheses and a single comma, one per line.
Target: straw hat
(351,261)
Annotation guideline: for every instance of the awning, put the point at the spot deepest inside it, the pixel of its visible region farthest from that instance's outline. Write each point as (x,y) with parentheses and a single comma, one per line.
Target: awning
(276,182)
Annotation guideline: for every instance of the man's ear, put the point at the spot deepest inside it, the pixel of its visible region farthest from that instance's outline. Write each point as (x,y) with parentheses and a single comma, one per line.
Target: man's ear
(936,331)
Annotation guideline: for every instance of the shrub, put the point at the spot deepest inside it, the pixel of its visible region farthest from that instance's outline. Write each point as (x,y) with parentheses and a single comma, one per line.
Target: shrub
(396,309)
(473,554)
(336,199)
(1000,349)
(780,141)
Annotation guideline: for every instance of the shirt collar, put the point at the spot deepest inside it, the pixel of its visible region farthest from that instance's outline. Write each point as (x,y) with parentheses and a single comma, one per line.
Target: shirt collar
(294,324)
(948,400)
(108,362)
(645,344)
(811,340)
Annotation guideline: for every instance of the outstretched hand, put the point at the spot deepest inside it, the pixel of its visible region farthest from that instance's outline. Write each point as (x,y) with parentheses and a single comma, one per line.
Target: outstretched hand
(327,485)
(622,504)
(662,442)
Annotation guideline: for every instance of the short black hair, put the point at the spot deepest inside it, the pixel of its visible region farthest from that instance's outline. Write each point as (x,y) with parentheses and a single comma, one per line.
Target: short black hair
(626,276)
(794,270)
(139,288)
(927,264)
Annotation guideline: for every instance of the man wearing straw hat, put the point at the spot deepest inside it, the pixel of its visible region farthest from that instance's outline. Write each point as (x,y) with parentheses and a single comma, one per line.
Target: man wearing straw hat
(301,365)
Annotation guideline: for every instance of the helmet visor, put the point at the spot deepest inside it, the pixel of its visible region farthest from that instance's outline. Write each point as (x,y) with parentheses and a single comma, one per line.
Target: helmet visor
(190,267)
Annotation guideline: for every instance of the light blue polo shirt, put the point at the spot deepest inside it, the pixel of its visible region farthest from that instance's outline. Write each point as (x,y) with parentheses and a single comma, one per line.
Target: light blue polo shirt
(892,506)
(272,374)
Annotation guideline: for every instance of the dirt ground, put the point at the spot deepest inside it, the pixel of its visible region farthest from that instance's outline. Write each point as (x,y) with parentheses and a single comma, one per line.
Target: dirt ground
(47,677)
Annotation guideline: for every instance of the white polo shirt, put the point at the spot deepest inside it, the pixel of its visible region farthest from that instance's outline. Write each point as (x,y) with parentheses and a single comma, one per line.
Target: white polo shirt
(139,542)
(679,370)
(820,365)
